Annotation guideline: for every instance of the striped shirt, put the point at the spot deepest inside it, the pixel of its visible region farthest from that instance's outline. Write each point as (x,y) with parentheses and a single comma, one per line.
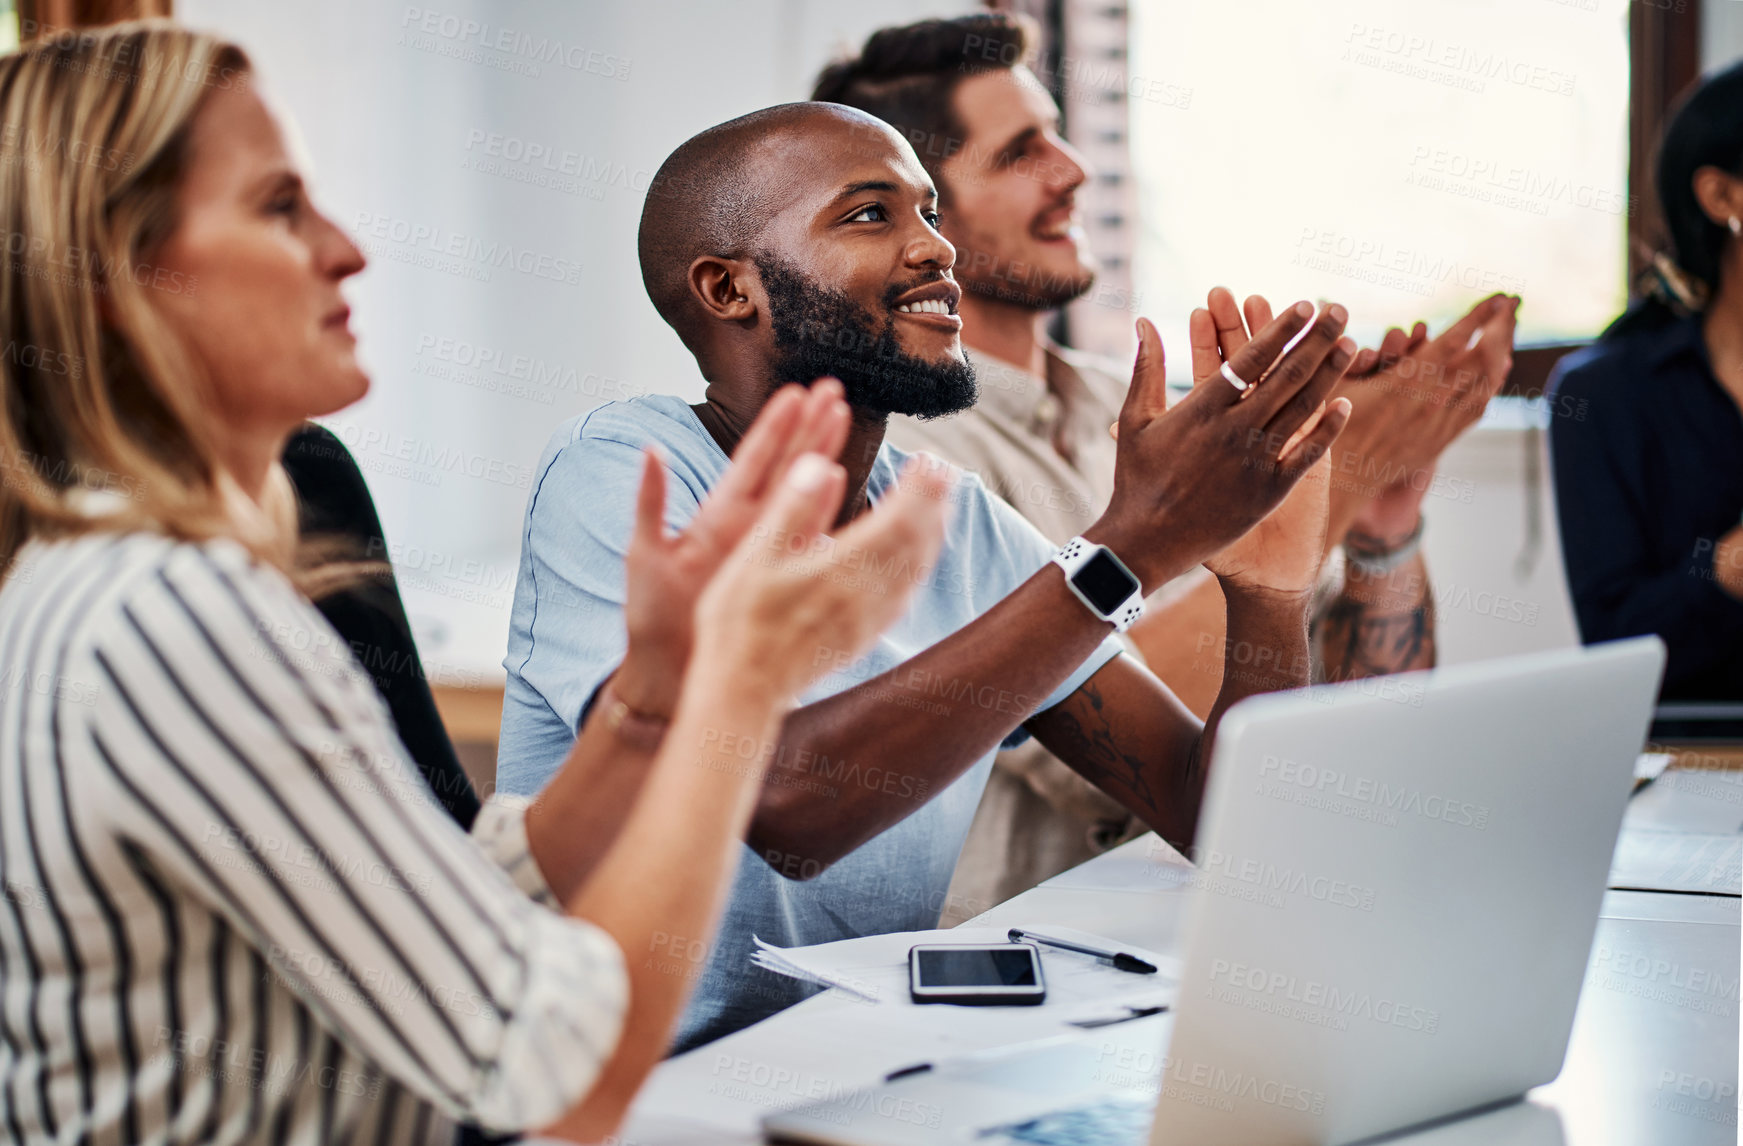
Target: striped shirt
(231,910)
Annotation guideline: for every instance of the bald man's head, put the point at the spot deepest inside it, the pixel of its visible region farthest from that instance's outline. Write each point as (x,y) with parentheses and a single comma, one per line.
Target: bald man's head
(720,188)
(801,241)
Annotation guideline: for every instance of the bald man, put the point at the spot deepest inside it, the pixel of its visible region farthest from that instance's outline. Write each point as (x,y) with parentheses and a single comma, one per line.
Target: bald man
(990,136)
(802,241)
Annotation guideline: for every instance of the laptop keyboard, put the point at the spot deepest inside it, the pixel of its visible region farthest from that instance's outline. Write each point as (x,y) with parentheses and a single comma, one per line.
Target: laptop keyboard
(1114,1122)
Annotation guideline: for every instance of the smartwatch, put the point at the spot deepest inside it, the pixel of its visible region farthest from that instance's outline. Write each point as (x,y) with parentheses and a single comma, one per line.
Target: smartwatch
(1102,582)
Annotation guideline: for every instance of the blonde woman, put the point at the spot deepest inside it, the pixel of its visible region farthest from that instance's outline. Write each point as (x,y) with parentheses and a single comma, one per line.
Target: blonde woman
(231,912)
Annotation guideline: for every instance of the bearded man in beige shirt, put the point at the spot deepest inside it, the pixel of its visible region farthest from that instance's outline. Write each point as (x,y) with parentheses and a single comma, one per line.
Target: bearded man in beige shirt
(987,131)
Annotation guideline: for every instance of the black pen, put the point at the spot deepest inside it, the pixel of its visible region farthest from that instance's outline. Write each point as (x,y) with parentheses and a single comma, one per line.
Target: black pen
(917,1068)
(1120,960)
(1136,1013)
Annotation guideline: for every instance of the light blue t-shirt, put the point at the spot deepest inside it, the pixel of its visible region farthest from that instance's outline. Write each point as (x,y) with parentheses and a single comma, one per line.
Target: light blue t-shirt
(567,635)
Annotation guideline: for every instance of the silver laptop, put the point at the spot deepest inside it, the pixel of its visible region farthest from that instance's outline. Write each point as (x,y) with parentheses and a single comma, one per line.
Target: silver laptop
(1432,851)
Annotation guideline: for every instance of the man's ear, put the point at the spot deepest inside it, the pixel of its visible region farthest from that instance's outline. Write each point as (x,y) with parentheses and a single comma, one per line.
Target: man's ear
(728,289)
(1719,193)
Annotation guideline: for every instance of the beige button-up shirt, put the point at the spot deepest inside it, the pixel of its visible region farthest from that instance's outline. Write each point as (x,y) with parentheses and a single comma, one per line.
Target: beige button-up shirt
(1043,445)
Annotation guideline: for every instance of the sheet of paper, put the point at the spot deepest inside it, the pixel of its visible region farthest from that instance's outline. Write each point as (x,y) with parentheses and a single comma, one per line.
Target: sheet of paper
(874,969)
(1678,861)
(772,958)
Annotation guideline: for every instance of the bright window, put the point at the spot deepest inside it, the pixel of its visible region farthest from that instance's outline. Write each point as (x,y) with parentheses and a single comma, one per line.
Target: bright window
(1404,160)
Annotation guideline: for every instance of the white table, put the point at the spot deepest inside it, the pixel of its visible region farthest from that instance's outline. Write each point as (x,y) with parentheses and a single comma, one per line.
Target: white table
(1646,1045)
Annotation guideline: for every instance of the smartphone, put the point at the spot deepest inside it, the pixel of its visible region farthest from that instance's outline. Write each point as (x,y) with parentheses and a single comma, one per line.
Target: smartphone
(996,975)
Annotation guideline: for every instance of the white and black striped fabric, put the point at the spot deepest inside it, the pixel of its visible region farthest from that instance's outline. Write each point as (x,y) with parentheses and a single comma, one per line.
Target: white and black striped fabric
(232,913)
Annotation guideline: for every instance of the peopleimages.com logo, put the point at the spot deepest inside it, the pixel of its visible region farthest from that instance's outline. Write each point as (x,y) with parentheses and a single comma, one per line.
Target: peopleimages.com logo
(1243,979)
(1339,791)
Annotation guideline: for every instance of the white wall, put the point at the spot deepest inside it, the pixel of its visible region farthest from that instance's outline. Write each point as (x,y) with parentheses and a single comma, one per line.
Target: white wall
(1721,33)
(1493,552)
(396,120)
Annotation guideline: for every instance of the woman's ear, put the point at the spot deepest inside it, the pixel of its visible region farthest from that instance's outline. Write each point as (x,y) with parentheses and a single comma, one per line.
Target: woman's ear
(726,288)
(1720,195)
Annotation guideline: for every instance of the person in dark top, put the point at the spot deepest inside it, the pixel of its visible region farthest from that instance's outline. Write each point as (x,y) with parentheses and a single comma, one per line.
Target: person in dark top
(1646,437)
(333,501)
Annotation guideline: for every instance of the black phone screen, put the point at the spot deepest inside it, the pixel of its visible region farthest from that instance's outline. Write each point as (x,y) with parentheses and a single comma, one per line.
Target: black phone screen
(978,967)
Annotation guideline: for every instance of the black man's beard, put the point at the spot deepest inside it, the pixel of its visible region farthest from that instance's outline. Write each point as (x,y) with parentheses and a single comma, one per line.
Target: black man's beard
(819,331)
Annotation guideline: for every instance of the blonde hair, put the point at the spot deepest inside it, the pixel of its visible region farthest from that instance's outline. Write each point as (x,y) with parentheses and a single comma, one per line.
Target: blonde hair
(103,412)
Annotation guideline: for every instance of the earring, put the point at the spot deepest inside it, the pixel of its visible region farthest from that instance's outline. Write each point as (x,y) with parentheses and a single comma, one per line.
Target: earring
(1735,224)
(741,297)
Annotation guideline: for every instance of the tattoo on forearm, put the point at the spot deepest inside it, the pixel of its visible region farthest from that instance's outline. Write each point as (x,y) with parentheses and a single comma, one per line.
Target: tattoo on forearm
(1091,746)
(1357,640)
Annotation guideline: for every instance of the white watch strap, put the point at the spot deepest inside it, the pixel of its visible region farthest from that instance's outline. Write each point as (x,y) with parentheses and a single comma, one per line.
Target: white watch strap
(1074,555)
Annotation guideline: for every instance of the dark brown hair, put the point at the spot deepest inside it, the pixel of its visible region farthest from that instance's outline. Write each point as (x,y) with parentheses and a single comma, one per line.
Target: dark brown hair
(907,76)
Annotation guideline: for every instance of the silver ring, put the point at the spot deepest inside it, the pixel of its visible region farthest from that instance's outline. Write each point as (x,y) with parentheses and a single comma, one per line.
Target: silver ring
(1234,379)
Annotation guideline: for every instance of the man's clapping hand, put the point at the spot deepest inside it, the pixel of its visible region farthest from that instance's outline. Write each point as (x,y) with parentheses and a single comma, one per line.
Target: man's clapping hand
(1191,479)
